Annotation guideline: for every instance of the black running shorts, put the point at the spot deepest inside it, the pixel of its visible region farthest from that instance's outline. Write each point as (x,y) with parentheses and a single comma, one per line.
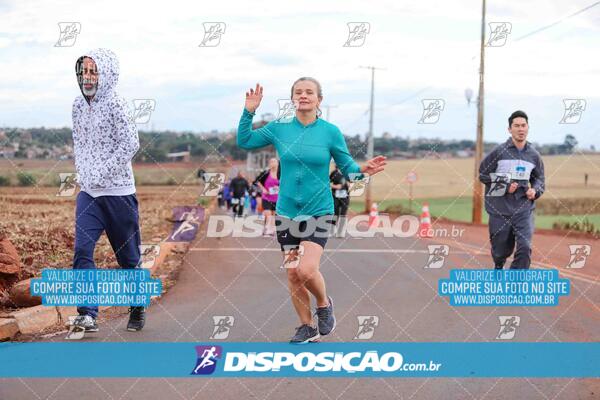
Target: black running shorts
(290,233)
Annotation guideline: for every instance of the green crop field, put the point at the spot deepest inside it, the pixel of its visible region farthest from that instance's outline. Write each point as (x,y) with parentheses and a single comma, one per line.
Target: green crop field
(460,209)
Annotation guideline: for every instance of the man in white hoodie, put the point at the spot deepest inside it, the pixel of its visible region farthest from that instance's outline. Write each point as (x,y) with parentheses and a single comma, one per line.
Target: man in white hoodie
(105,140)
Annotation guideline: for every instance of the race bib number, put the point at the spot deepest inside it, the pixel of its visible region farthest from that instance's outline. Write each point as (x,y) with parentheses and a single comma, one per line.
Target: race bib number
(274,190)
(235,200)
(341,193)
(519,170)
(520,173)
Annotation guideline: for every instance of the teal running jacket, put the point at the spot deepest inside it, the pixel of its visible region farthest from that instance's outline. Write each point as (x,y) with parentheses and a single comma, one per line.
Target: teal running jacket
(305,154)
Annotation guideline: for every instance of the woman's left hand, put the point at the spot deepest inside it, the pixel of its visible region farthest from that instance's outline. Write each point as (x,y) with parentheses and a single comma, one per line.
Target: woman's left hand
(374,165)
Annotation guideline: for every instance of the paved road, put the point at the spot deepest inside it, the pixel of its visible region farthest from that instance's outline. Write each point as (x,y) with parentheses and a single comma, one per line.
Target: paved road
(383,277)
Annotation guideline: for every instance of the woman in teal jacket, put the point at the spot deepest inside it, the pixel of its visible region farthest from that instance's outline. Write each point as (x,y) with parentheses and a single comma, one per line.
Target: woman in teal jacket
(305,146)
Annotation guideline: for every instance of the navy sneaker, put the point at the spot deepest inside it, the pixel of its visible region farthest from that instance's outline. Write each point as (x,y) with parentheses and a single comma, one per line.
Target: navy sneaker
(326,318)
(305,334)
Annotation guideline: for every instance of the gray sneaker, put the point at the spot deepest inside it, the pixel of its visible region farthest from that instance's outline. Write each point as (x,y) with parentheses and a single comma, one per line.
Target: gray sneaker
(86,322)
(326,318)
(305,334)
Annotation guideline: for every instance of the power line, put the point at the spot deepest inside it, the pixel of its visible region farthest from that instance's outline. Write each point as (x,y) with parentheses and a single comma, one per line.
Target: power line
(412,96)
(543,28)
(361,116)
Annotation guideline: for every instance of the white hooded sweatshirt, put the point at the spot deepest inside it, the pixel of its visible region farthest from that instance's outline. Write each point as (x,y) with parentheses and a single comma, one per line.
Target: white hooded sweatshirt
(105,136)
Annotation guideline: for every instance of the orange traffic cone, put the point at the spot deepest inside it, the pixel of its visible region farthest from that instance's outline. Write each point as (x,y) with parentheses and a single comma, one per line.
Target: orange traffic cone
(373,216)
(425,226)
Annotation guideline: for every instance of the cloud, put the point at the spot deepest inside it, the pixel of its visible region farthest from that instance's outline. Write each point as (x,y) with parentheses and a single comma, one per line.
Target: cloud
(432,45)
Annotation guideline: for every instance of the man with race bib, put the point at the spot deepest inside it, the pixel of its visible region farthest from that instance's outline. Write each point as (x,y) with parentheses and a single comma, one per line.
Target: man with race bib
(513,174)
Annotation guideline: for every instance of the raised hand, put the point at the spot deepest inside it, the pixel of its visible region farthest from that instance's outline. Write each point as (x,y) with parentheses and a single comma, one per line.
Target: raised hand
(253,98)
(374,165)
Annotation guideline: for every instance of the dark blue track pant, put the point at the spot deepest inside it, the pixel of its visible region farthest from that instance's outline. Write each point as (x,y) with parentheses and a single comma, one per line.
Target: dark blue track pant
(505,232)
(118,217)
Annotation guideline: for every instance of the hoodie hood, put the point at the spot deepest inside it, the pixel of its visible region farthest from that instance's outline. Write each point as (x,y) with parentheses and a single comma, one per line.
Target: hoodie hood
(107,64)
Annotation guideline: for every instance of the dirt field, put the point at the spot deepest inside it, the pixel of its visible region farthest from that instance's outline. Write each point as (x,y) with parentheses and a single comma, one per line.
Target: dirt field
(46,172)
(42,227)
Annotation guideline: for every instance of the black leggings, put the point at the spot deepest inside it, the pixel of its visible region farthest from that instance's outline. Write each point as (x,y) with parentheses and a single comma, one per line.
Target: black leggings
(340,208)
(238,209)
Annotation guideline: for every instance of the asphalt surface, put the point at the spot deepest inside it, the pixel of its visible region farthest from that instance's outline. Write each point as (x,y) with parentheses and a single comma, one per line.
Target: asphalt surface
(383,277)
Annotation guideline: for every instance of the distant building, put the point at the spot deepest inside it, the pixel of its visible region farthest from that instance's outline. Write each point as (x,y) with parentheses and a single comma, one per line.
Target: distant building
(7,152)
(180,156)
(463,153)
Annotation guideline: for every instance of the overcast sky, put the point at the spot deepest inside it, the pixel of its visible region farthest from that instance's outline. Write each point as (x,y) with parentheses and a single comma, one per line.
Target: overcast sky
(426,49)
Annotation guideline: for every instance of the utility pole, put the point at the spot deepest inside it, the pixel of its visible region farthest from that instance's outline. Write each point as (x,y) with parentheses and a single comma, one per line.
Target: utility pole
(477,186)
(370,135)
(327,107)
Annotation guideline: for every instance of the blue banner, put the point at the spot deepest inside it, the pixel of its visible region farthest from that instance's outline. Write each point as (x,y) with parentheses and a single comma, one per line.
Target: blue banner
(95,287)
(234,359)
(516,287)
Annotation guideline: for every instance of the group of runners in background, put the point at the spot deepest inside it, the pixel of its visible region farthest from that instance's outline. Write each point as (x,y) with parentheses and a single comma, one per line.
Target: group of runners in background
(242,197)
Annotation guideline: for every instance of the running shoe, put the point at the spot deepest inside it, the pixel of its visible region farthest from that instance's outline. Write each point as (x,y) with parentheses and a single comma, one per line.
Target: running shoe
(326,319)
(305,334)
(137,319)
(86,322)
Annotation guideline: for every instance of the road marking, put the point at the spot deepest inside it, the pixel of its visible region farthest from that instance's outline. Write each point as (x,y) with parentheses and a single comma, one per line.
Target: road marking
(274,249)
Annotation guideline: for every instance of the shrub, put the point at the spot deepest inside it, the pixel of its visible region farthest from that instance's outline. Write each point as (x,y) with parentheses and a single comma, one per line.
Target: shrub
(26,179)
(584,226)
